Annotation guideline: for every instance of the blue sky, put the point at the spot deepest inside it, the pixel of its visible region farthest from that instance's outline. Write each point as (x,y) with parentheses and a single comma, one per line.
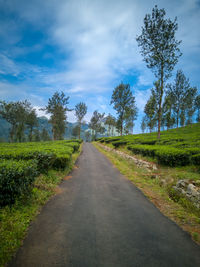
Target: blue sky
(86,48)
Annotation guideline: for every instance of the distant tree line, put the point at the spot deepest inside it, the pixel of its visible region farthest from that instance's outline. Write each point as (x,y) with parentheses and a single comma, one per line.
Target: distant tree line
(123,102)
(24,122)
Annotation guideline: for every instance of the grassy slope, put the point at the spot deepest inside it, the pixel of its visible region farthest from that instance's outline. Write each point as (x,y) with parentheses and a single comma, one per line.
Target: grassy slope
(176,147)
(187,133)
(15,220)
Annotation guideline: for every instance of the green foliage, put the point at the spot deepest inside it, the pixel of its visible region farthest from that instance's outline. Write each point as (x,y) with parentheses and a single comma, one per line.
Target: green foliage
(31,121)
(111,139)
(80,112)
(143,125)
(22,162)
(176,147)
(119,143)
(158,45)
(111,122)
(172,156)
(150,111)
(183,98)
(197,105)
(16,177)
(144,150)
(45,135)
(168,119)
(124,104)
(96,123)
(76,131)
(196,159)
(19,115)
(57,107)
(160,50)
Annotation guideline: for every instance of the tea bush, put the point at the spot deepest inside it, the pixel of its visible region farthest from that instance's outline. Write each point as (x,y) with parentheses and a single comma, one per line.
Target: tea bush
(176,147)
(16,178)
(20,163)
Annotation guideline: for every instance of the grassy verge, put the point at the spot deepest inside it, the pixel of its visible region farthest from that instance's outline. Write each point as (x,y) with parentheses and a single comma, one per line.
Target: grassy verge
(181,213)
(15,220)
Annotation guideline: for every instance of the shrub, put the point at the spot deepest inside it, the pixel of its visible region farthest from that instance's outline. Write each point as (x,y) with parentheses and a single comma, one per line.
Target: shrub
(145,150)
(16,178)
(111,139)
(172,156)
(119,143)
(61,161)
(195,159)
(20,163)
(148,142)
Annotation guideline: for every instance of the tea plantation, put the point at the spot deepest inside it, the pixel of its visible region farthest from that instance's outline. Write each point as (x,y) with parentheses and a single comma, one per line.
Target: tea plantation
(21,163)
(176,147)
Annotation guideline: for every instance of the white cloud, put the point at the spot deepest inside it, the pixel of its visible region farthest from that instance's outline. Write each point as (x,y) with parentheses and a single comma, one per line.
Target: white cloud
(97,39)
(8,66)
(141,98)
(40,113)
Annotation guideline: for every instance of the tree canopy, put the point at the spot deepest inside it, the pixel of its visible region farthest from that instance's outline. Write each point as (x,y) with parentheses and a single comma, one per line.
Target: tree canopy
(124,103)
(57,107)
(96,123)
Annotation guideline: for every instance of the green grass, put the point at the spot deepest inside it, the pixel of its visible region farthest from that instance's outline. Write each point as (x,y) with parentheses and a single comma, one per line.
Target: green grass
(15,219)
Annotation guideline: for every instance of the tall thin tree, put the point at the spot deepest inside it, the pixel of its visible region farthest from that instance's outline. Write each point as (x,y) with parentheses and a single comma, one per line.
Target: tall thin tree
(159,48)
(197,105)
(80,112)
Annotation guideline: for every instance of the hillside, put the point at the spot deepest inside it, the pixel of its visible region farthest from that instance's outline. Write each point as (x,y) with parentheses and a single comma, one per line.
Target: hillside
(176,147)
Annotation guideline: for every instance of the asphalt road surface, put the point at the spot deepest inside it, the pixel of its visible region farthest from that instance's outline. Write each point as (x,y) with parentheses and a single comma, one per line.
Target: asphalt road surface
(101,219)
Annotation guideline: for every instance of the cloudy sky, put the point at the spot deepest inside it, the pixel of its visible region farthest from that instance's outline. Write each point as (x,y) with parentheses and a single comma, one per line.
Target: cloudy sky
(86,48)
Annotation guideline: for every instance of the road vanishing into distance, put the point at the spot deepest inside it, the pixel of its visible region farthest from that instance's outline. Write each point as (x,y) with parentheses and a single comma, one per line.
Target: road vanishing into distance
(100,219)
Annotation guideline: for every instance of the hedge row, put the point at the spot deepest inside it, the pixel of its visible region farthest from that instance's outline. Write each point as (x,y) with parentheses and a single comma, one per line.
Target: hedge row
(16,178)
(119,143)
(21,163)
(48,155)
(167,155)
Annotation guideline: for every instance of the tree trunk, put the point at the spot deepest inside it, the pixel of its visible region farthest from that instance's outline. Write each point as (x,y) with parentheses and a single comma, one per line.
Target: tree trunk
(79,130)
(31,133)
(177,118)
(54,133)
(12,132)
(160,103)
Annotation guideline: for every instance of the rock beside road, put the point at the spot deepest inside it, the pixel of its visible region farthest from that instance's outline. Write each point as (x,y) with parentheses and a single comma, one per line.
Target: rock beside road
(190,190)
(139,162)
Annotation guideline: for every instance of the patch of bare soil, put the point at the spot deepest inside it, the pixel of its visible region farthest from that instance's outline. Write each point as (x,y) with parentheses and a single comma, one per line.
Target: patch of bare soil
(67,177)
(58,190)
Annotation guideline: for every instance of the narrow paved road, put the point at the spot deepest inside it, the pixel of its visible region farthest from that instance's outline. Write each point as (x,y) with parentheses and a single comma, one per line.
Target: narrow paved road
(101,219)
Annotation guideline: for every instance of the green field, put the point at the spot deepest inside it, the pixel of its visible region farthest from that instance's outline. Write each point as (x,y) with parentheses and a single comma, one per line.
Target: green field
(176,147)
(21,163)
